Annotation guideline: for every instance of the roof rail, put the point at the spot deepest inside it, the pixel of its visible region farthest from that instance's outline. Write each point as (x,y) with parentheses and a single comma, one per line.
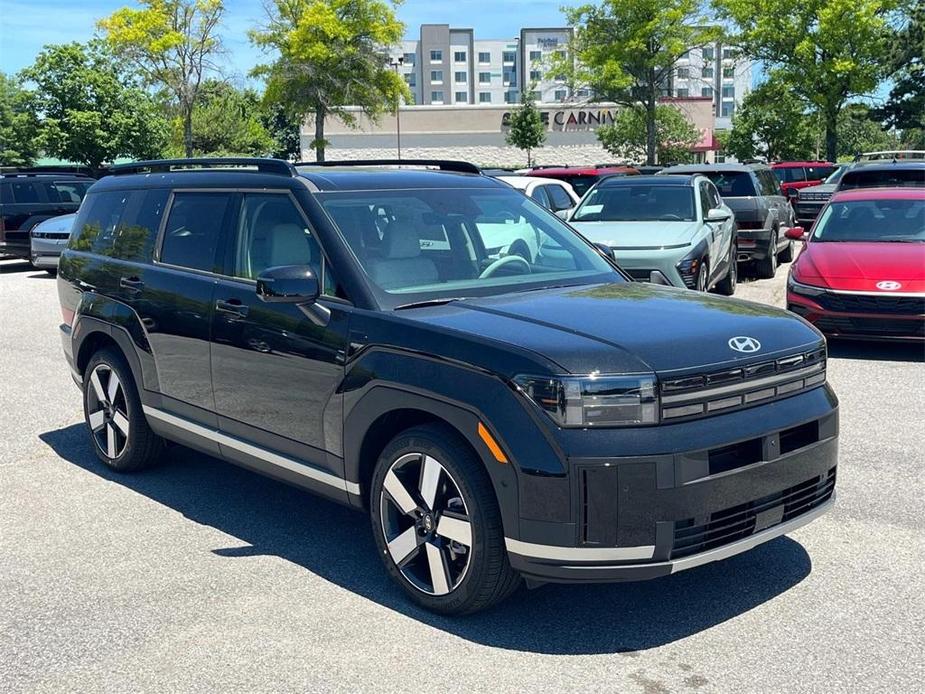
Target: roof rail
(442,164)
(262,165)
(50,170)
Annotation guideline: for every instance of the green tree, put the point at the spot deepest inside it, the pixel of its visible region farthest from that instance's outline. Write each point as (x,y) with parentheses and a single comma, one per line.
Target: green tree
(771,123)
(828,50)
(18,125)
(527,131)
(905,106)
(627,50)
(285,129)
(331,54)
(89,111)
(173,44)
(628,136)
(858,132)
(226,121)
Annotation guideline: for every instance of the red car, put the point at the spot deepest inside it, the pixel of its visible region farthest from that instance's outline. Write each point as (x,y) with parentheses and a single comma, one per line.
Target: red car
(582,178)
(793,175)
(862,272)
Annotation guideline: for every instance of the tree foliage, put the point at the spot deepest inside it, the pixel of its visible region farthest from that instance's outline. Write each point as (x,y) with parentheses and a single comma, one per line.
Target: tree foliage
(284,127)
(527,131)
(627,50)
(89,111)
(173,44)
(905,105)
(828,50)
(627,136)
(18,125)
(772,124)
(331,54)
(858,132)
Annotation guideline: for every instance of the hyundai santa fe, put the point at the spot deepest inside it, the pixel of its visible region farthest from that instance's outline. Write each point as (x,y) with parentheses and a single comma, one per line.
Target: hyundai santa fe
(348,330)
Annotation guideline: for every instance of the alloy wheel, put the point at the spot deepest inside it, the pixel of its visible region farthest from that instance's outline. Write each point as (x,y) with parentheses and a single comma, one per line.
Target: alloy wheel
(107,413)
(702,277)
(425,523)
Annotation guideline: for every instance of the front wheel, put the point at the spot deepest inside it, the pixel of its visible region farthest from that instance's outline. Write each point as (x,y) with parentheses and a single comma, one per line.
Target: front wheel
(703,276)
(786,255)
(727,285)
(437,524)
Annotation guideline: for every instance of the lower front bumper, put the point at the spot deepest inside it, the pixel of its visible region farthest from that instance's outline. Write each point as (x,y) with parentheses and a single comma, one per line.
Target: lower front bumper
(15,248)
(858,326)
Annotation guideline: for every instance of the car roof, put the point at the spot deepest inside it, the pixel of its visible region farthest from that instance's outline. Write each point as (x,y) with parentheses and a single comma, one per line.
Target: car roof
(883,165)
(45,176)
(711,168)
(858,194)
(523,181)
(653,179)
(379,178)
(787,164)
(580,170)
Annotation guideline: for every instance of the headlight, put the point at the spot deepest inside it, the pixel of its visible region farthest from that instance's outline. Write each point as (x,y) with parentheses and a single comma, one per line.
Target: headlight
(594,401)
(804,289)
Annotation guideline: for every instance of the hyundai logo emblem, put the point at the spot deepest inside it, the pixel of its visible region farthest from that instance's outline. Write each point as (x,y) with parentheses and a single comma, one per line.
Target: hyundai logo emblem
(888,285)
(744,344)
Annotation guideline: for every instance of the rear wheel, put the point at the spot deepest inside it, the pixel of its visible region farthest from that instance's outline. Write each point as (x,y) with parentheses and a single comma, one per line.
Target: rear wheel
(767,266)
(437,524)
(119,431)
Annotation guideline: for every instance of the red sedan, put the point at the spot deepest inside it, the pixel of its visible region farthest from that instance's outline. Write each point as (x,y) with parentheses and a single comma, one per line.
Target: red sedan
(862,272)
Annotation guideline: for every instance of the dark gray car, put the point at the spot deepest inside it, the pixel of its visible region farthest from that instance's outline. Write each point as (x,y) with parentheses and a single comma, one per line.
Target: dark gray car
(762,212)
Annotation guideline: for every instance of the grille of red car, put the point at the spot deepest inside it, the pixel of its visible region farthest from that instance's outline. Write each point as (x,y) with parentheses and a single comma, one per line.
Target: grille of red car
(860,303)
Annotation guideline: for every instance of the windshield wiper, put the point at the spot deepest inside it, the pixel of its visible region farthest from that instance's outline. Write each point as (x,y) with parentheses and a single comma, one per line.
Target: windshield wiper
(428,302)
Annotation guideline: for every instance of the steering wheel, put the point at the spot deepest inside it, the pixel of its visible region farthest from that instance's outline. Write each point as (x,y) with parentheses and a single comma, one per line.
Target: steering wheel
(495,265)
(670,218)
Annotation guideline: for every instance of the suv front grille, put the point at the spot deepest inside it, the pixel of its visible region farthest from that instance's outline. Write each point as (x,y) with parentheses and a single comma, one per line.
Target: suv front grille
(738,522)
(874,327)
(860,303)
(638,274)
(718,392)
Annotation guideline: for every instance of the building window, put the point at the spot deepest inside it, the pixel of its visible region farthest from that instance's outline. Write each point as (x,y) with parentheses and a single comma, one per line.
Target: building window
(436,97)
(708,53)
(436,76)
(535,75)
(484,57)
(510,78)
(728,73)
(436,56)
(683,93)
(462,97)
(560,95)
(729,53)
(560,55)
(484,97)
(536,95)
(461,77)
(727,109)
(408,58)
(510,97)
(536,55)
(459,56)
(410,79)
(706,91)
(683,73)
(484,78)
(508,56)
(708,73)
(729,92)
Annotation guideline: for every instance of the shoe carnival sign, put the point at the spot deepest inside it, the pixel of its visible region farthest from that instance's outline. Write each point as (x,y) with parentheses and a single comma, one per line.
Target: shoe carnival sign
(570,119)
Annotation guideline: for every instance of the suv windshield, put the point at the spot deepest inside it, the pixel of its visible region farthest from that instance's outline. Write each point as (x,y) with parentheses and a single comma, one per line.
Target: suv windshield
(836,175)
(731,184)
(421,245)
(637,203)
(873,220)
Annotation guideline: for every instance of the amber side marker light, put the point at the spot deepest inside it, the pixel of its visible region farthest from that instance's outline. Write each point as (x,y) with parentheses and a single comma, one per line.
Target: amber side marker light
(492,444)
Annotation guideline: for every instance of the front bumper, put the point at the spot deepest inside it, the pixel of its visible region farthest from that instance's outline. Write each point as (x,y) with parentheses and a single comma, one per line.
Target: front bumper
(639,264)
(17,248)
(806,211)
(45,253)
(859,325)
(643,516)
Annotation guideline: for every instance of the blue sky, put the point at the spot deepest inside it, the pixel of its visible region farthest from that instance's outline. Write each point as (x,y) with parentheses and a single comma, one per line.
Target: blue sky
(27,25)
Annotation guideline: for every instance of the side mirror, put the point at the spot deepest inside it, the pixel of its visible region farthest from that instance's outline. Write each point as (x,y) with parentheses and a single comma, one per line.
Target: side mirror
(605,251)
(717,215)
(796,233)
(291,284)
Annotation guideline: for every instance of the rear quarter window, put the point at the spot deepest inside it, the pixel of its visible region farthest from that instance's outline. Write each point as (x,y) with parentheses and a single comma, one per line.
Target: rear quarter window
(732,184)
(96,224)
(27,192)
(119,224)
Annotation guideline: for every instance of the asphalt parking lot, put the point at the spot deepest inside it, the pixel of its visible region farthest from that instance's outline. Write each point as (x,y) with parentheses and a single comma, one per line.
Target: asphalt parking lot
(199,576)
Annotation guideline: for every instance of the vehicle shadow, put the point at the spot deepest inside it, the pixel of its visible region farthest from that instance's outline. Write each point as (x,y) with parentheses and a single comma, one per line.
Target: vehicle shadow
(877,351)
(9,266)
(335,542)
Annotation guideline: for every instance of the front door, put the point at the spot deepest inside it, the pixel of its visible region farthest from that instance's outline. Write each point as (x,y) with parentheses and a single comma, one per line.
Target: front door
(276,367)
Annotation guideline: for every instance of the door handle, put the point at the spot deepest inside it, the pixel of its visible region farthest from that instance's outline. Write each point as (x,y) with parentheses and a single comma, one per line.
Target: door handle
(133,283)
(233,307)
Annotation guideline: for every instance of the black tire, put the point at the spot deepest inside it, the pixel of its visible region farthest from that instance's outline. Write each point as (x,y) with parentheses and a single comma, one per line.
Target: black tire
(702,281)
(727,285)
(767,266)
(135,446)
(53,273)
(786,255)
(486,577)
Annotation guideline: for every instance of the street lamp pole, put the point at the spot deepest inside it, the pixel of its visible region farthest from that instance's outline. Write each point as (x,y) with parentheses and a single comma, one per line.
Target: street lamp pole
(395,64)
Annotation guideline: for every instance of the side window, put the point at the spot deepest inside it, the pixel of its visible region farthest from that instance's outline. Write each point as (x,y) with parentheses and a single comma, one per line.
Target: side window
(272,232)
(705,204)
(797,174)
(135,234)
(26,192)
(539,195)
(70,191)
(715,199)
(96,224)
(772,187)
(194,226)
(559,198)
(6,192)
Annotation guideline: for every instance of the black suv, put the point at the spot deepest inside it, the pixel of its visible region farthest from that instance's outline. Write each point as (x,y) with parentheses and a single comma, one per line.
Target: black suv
(763,213)
(27,198)
(371,334)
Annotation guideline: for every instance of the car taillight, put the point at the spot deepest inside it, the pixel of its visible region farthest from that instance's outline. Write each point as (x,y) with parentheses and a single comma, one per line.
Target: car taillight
(67,315)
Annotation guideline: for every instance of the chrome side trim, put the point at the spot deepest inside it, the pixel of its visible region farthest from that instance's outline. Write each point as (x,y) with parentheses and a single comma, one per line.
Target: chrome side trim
(267,456)
(885,295)
(743,386)
(534,551)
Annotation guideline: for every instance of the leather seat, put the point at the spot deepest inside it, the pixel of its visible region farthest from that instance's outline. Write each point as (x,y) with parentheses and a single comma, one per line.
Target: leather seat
(402,264)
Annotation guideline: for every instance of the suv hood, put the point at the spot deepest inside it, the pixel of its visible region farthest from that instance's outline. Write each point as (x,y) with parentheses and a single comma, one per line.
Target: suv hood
(627,327)
(821,188)
(641,235)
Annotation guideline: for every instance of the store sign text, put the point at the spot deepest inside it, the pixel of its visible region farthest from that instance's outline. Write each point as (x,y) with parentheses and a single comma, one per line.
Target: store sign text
(569,120)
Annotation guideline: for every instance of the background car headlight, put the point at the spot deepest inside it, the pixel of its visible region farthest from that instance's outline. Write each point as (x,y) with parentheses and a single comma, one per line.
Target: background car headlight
(804,289)
(594,401)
